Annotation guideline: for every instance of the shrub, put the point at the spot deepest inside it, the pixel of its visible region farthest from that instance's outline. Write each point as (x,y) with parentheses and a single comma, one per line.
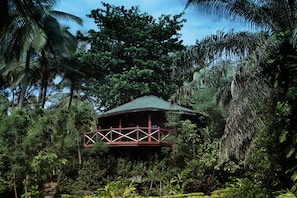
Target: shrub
(116,189)
(243,188)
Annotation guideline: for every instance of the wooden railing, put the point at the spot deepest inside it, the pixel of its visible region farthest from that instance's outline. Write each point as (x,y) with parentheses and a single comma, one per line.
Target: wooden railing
(129,136)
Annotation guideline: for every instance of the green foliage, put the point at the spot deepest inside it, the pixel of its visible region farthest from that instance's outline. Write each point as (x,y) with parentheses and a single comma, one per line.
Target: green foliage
(116,189)
(134,51)
(32,191)
(5,183)
(31,63)
(242,188)
(4,104)
(288,135)
(287,195)
(45,162)
(37,143)
(98,149)
(261,119)
(196,152)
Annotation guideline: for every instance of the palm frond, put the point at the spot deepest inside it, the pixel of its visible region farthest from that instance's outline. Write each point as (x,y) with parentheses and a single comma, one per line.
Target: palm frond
(267,64)
(218,47)
(244,10)
(26,11)
(70,43)
(66,16)
(269,15)
(215,81)
(247,113)
(293,40)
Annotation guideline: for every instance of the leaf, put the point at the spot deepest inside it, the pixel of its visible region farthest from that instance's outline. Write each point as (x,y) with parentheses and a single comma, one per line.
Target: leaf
(294,139)
(294,176)
(283,136)
(292,93)
(289,154)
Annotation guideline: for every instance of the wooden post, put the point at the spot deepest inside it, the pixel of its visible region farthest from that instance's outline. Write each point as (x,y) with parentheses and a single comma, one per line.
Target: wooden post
(120,128)
(110,133)
(137,133)
(84,138)
(159,134)
(97,132)
(149,126)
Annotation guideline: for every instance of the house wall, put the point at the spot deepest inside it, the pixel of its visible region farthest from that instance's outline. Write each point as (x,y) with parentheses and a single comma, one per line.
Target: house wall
(133,119)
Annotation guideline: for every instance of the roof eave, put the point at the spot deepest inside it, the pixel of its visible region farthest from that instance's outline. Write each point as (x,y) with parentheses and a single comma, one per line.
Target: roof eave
(143,110)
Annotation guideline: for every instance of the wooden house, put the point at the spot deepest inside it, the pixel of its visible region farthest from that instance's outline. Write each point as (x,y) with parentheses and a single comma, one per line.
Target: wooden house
(139,123)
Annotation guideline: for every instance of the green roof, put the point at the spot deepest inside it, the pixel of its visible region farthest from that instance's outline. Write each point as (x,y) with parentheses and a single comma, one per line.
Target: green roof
(147,103)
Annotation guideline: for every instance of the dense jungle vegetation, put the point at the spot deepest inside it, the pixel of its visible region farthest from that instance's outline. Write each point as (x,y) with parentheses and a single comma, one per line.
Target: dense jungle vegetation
(53,85)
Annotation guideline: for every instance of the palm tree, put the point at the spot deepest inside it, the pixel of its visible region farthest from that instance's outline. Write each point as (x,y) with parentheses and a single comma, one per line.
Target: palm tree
(44,34)
(73,73)
(52,61)
(23,39)
(59,41)
(266,73)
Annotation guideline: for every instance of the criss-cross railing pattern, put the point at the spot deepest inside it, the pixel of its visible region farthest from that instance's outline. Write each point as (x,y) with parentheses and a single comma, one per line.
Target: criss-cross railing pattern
(128,136)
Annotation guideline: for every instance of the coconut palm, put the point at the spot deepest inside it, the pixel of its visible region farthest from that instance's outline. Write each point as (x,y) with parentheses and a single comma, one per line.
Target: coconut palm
(52,61)
(266,64)
(44,35)
(59,42)
(19,46)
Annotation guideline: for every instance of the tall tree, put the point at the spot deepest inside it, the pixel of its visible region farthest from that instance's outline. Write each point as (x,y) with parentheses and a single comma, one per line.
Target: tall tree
(52,60)
(264,87)
(135,51)
(58,42)
(45,35)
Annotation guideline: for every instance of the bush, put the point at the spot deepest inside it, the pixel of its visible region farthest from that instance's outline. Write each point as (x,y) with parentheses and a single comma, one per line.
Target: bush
(116,189)
(243,188)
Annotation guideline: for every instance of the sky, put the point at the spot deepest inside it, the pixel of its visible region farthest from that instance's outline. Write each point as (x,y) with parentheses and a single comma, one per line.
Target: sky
(197,26)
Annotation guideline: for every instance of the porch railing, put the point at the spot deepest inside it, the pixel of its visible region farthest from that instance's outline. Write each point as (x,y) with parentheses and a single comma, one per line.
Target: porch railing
(128,136)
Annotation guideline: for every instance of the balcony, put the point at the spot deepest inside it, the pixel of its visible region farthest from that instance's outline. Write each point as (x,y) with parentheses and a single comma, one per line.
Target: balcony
(128,136)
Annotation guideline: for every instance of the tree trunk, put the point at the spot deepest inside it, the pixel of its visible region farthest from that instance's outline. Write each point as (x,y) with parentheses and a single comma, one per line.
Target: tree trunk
(44,79)
(79,153)
(25,80)
(14,186)
(71,95)
(44,93)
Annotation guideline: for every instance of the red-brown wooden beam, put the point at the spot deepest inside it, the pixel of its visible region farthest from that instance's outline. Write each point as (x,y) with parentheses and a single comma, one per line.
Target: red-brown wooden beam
(149,124)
